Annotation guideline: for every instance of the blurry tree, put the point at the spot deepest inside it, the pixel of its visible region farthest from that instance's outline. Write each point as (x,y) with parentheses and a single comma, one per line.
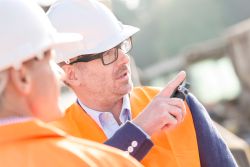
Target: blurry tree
(170,25)
(239,51)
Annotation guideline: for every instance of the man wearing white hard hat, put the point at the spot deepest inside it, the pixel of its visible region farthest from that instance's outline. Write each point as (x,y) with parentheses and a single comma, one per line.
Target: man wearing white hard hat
(29,94)
(98,71)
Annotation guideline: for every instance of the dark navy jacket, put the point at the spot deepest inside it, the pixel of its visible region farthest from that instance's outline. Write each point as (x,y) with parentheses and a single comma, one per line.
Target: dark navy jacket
(212,149)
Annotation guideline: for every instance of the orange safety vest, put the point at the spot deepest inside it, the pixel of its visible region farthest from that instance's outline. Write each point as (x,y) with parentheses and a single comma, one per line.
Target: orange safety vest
(32,143)
(177,148)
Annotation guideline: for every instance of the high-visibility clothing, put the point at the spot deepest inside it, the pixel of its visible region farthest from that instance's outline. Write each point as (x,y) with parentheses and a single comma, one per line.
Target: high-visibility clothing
(176,148)
(34,144)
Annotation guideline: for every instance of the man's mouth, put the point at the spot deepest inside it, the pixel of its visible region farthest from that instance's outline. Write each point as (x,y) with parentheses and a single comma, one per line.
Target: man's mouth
(122,73)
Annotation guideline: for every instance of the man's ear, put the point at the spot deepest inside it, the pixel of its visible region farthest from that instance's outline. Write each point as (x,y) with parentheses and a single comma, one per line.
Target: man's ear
(21,79)
(70,75)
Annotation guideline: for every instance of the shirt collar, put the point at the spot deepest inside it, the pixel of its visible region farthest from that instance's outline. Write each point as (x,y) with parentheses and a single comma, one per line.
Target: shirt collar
(125,114)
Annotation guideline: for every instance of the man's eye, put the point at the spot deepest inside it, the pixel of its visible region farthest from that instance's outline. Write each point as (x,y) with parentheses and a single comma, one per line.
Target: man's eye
(112,51)
(36,58)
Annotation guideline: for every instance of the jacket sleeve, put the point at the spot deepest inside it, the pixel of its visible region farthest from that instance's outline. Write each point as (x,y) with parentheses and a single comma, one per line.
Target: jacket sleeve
(212,149)
(132,139)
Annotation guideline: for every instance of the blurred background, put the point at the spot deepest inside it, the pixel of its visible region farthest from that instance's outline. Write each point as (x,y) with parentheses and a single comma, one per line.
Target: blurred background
(210,39)
(193,35)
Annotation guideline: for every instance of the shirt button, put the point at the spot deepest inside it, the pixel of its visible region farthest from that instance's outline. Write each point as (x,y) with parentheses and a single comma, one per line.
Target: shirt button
(130,149)
(134,143)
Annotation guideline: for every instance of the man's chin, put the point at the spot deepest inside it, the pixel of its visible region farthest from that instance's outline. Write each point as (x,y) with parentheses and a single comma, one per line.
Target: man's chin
(121,91)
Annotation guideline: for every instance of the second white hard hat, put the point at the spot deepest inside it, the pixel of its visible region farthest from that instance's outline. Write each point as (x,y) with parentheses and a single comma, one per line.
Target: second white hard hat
(95,22)
(25,32)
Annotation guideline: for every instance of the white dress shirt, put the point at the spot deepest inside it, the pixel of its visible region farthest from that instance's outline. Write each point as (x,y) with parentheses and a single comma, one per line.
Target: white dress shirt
(106,120)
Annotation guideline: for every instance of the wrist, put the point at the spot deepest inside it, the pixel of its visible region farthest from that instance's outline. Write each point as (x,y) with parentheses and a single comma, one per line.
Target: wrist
(142,125)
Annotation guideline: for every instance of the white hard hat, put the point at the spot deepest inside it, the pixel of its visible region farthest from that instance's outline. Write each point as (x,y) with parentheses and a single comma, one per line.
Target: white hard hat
(25,32)
(99,27)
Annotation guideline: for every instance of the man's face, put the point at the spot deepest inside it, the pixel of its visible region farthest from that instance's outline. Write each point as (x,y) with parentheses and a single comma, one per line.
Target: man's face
(106,80)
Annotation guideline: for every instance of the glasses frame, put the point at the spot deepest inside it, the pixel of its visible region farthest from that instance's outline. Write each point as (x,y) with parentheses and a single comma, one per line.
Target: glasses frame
(90,57)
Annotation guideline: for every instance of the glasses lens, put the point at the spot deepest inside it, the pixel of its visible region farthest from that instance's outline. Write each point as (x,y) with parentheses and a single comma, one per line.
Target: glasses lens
(126,45)
(109,56)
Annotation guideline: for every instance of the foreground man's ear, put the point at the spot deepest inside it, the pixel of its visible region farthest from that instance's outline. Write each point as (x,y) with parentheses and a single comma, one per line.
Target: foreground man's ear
(21,79)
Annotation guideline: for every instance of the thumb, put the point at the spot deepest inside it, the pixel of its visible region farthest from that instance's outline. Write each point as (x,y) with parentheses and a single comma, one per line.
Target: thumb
(173,84)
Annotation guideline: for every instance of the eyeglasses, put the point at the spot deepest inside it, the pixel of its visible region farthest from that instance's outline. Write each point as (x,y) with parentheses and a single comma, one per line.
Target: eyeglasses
(109,56)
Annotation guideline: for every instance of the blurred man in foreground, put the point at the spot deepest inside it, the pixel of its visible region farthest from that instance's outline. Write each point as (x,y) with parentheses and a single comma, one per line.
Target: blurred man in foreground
(29,89)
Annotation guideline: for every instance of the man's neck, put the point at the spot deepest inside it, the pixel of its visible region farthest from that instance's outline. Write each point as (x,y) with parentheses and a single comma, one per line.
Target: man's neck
(18,108)
(116,110)
(113,105)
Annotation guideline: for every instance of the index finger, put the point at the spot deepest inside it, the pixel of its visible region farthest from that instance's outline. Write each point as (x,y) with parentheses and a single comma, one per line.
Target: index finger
(173,84)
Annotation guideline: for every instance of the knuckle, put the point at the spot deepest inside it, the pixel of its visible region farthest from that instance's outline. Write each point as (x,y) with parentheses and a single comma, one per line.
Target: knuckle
(165,115)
